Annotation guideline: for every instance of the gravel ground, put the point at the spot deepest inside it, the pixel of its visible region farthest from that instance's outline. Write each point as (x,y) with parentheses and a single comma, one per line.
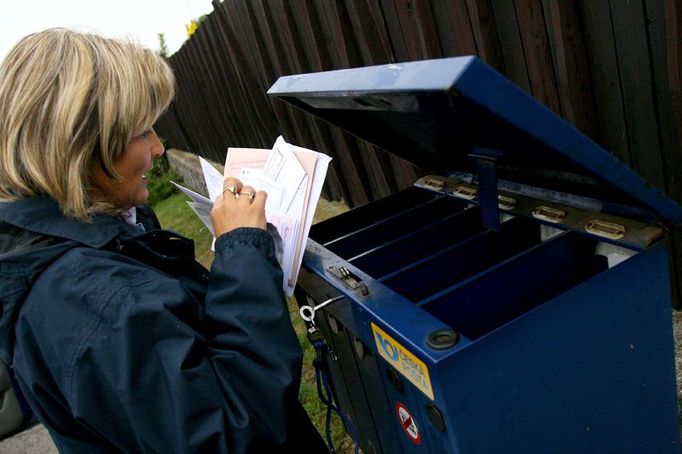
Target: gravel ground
(677,333)
(33,441)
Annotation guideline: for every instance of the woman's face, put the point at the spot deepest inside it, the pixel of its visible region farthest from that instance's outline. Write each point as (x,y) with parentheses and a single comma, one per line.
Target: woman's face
(132,166)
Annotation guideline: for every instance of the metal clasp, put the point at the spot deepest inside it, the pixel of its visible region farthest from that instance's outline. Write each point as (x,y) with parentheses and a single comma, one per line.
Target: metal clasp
(432,183)
(545,213)
(342,273)
(605,229)
(465,192)
(506,203)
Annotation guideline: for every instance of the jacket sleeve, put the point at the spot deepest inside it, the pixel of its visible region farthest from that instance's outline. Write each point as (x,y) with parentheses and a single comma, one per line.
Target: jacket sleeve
(179,375)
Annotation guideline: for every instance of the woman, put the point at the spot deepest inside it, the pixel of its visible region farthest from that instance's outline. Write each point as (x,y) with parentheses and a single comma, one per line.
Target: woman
(118,339)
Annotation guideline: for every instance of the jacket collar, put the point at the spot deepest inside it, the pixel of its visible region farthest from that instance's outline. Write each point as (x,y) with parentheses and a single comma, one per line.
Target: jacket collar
(42,215)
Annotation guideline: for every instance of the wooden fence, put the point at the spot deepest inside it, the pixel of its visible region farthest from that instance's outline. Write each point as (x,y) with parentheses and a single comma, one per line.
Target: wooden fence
(611,67)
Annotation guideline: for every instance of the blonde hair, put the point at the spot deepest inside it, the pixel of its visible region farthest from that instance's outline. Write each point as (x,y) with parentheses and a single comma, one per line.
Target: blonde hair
(69,101)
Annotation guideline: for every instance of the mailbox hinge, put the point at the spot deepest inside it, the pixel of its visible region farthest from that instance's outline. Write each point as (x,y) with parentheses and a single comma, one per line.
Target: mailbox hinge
(486,171)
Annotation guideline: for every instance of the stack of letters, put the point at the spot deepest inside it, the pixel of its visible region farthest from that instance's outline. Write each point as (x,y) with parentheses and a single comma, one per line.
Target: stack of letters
(293,178)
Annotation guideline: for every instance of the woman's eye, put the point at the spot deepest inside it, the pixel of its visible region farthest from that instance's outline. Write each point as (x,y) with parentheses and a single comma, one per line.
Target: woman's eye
(144,134)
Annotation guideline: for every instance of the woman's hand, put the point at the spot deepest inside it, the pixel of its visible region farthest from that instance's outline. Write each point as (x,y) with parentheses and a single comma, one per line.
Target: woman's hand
(238,206)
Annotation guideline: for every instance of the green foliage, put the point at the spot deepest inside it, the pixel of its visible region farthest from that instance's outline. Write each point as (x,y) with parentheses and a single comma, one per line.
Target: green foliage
(158,185)
(163,48)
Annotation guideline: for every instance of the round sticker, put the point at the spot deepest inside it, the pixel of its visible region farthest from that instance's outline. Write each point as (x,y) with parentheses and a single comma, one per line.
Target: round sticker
(408,424)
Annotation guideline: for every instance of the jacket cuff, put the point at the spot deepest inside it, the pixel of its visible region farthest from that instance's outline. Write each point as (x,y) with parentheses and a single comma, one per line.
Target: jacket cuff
(252,236)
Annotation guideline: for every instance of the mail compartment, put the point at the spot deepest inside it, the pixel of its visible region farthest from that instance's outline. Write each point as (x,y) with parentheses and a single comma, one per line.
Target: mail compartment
(516,300)
(441,258)
(493,297)
(462,259)
(389,258)
(369,215)
(355,241)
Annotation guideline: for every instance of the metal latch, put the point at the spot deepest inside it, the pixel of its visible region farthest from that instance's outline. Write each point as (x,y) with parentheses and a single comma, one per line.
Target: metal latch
(605,229)
(432,183)
(349,279)
(545,213)
(506,203)
(465,192)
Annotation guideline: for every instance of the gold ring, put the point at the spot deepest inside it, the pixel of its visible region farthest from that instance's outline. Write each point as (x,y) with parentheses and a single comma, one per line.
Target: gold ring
(232,189)
(251,195)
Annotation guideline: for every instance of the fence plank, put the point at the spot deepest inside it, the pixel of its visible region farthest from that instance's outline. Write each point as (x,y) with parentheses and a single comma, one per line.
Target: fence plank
(486,37)
(193,100)
(269,59)
(220,113)
(357,185)
(337,30)
(673,36)
(533,31)
(570,65)
(309,26)
(368,26)
(634,64)
(334,21)
(418,29)
(602,61)
(670,152)
(256,104)
(370,31)
(511,44)
(396,43)
(454,27)
(673,22)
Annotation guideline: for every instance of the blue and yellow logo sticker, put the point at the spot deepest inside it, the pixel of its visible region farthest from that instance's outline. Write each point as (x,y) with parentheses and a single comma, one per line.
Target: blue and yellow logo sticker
(403,360)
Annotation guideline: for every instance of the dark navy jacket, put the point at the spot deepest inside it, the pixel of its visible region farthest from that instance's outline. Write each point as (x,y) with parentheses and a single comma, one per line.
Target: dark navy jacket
(120,341)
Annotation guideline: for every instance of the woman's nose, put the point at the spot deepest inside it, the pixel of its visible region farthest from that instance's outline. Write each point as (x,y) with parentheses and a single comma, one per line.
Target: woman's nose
(155,145)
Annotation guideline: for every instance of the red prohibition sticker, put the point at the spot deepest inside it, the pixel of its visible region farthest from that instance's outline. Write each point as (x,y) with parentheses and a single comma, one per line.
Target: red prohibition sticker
(408,424)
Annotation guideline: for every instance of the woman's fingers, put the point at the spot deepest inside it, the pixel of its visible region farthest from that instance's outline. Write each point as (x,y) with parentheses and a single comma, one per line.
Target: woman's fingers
(238,206)
(232,182)
(259,200)
(232,185)
(247,194)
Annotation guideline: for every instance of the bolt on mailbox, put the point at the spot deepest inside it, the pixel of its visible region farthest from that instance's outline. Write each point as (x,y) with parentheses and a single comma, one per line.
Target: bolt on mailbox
(515,300)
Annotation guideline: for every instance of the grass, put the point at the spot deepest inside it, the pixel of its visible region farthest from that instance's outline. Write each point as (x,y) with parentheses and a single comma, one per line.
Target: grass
(174,214)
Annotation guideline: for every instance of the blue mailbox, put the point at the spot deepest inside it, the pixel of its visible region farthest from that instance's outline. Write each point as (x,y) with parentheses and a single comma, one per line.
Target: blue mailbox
(515,300)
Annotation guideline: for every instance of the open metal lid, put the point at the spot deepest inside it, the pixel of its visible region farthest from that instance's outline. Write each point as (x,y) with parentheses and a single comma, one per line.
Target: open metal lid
(438,113)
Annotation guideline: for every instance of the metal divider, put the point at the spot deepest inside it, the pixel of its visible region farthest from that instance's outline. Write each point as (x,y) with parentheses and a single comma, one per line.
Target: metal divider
(391,229)
(463,259)
(370,214)
(394,256)
(514,286)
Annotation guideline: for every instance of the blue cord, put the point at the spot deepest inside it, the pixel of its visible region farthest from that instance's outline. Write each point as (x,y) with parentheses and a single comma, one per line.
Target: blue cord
(328,431)
(338,411)
(327,398)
